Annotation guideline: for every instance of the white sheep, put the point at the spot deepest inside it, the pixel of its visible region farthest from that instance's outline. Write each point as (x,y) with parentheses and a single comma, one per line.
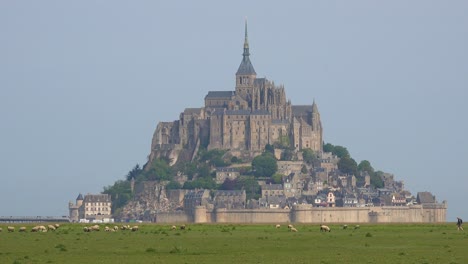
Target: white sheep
(1,230)
(57,226)
(290,226)
(107,229)
(134,228)
(95,228)
(173,227)
(51,227)
(345,226)
(11,229)
(182,227)
(35,229)
(116,228)
(324,228)
(357,227)
(293,229)
(42,229)
(278,226)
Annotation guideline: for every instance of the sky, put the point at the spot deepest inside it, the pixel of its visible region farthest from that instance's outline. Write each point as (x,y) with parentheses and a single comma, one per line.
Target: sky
(83,85)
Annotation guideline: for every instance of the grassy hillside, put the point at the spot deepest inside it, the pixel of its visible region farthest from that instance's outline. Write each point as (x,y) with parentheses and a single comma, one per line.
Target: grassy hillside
(415,243)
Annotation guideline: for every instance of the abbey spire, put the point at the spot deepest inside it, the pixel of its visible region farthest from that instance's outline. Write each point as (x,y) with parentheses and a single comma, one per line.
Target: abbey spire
(245,75)
(246,67)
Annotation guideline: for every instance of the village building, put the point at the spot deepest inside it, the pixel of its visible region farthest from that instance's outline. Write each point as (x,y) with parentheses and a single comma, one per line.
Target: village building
(91,207)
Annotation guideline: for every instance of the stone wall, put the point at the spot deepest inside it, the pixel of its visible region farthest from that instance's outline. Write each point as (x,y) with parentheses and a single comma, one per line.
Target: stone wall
(314,215)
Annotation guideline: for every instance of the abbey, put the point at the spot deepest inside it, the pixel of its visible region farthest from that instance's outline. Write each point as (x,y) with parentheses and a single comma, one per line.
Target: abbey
(244,121)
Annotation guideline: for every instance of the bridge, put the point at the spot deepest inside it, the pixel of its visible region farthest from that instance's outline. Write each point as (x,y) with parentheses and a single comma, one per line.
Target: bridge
(33,219)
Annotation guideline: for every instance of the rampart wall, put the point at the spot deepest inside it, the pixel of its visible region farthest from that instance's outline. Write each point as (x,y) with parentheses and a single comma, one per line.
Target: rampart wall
(313,215)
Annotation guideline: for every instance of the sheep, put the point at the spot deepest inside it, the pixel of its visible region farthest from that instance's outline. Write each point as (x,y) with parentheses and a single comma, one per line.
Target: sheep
(345,226)
(1,230)
(324,228)
(116,228)
(22,229)
(290,226)
(95,228)
(51,227)
(293,229)
(173,227)
(35,229)
(42,229)
(278,226)
(357,227)
(182,227)
(107,229)
(11,229)
(134,228)
(57,226)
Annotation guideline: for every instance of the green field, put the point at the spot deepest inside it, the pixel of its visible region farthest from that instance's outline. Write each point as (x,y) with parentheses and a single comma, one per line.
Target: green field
(394,243)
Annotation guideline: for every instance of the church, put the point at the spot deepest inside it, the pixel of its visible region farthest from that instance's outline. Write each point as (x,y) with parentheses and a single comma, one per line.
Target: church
(243,121)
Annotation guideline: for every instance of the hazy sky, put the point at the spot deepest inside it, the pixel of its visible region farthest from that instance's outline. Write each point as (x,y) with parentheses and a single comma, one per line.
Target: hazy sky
(83,85)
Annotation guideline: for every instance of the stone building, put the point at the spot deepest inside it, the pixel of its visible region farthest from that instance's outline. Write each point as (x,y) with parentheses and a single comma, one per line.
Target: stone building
(226,173)
(92,206)
(230,199)
(244,121)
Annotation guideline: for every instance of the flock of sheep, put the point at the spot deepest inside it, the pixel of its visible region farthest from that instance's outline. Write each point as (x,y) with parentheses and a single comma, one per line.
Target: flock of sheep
(291,228)
(323,228)
(34,229)
(110,229)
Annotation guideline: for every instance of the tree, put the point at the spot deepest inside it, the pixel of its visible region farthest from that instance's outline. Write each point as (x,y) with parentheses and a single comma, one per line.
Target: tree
(376,179)
(340,152)
(328,147)
(309,155)
(287,155)
(277,178)
(348,165)
(251,187)
(304,169)
(366,166)
(173,185)
(120,194)
(270,148)
(159,171)
(134,173)
(264,165)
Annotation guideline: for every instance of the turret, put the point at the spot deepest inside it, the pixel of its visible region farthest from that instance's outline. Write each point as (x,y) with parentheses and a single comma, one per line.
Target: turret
(79,200)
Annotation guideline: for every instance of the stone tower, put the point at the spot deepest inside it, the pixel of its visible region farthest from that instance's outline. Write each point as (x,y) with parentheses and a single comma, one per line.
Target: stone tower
(246,74)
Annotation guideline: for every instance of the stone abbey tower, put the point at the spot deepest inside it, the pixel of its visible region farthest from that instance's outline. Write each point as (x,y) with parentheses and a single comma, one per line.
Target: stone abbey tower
(244,121)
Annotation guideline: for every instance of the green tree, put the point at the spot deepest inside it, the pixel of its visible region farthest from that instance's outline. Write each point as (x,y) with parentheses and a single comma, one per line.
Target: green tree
(134,173)
(340,152)
(376,179)
(309,155)
(270,148)
(173,185)
(348,165)
(264,165)
(287,155)
(277,178)
(366,166)
(159,171)
(200,183)
(328,147)
(120,194)
(251,187)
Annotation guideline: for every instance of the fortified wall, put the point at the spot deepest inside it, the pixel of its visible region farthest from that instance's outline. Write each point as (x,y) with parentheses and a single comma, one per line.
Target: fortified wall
(433,213)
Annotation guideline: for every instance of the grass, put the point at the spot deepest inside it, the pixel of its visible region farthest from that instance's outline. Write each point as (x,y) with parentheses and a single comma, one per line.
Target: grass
(237,243)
